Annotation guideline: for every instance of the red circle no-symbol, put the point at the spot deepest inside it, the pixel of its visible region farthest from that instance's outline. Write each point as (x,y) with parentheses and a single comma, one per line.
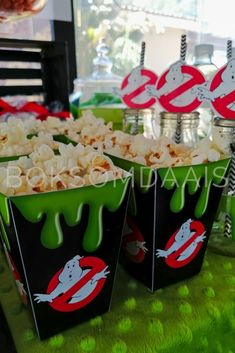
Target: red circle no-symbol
(173,259)
(149,78)
(131,240)
(221,104)
(189,102)
(61,303)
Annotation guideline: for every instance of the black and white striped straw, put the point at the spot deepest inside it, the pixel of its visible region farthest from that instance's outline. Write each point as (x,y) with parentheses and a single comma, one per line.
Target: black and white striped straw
(183,47)
(142,54)
(231,180)
(231,187)
(229,50)
(227,226)
(178,130)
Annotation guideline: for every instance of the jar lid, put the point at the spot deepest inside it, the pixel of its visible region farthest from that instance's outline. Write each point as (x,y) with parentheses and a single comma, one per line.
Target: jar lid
(230,123)
(132,111)
(203,54)
(176,116)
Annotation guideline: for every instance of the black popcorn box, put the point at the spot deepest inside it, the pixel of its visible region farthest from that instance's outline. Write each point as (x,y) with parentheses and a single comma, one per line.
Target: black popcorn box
(170,217)
(63,248)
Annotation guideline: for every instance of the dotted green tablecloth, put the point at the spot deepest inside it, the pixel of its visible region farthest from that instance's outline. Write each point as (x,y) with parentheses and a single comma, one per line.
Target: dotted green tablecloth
(197,315)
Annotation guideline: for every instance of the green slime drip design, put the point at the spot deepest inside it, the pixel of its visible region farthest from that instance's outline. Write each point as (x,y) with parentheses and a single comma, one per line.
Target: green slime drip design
(3,235)
(70,203)
(4,209)
(190,176)
(4,218)
(178,178)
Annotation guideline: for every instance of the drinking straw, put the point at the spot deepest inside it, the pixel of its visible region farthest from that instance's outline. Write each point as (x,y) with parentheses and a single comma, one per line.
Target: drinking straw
(183,47)
(227,226)
(231,176)
(231,188)
(178,130)
(142,54)
(229,50)
(231,184)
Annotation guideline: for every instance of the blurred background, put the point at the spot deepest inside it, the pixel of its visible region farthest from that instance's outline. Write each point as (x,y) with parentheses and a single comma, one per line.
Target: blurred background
(125,23)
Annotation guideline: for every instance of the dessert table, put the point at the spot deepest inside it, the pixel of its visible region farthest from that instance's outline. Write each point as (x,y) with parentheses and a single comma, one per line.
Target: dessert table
(196,315)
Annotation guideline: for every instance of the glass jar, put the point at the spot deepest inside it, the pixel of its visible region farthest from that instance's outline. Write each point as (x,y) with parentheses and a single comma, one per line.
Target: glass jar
(17,9)
(222,238)
(203,54)
(180,127)
(139,121)
(223,133)
(99,88)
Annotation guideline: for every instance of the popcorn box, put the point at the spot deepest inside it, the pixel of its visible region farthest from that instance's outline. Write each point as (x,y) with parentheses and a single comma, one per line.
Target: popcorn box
(170,216)
(63,248)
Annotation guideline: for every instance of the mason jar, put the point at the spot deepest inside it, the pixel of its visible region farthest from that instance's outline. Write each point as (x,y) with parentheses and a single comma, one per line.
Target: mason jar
(139,121)
(180,127)
(223,133)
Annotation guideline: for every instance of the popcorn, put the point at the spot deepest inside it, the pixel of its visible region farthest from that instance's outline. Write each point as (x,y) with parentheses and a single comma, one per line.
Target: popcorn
(14,139)
(43,171)
(18,5)
(140,145)
(213,155)
(14,134)
(153,153)
(92,131)
(159,153)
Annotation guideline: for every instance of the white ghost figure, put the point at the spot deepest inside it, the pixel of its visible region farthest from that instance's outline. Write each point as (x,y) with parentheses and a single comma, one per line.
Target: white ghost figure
(134,247)
(181,237)
(135,80)
(226,86)
(70,275)
(174,78)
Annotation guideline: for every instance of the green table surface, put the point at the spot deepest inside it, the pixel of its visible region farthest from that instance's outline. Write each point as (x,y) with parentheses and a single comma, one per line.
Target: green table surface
(197,315)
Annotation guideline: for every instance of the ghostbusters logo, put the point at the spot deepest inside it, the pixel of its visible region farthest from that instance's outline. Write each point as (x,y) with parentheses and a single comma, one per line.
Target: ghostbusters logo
(221,91)
(133,89)
(184,244)
(76,284)
(17,277)
(175,88)
(133,242)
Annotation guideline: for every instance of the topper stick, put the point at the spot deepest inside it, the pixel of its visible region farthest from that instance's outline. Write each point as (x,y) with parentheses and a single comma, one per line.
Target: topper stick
(231,184)
(183,47)
(227,226)
(142,54)
(178,130)
(229,50)
(231,187)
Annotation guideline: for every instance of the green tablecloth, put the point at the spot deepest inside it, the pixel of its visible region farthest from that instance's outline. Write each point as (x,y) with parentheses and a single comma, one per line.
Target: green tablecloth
(197,315)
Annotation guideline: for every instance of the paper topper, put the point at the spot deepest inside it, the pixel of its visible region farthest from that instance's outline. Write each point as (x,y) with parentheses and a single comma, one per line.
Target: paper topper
(220,91)
(133,88)
(175,88)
